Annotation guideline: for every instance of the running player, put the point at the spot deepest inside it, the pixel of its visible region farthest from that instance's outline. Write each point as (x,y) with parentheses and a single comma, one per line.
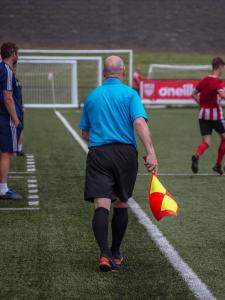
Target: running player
(137,77)
(208,94)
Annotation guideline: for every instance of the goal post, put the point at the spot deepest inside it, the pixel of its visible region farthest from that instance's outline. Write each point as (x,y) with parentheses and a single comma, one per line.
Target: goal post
(126,55)
(33,72)
(166,71)
(172,84)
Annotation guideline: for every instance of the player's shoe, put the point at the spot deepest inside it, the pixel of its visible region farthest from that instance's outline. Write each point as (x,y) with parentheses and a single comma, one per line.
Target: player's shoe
(11,195)
(118,258)
(194,165)
(107,264)
(218,169)
(21,153)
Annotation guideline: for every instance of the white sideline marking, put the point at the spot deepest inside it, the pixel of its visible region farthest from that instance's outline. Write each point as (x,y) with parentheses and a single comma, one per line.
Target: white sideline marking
(18,208)
(182,174)
(195,284)
(13,172)
(72,131)
(30,197)
(32,180)
(198,288)
(15,177)
(31,166)
(35,191)
(33,203)
(32,185)
(31,170)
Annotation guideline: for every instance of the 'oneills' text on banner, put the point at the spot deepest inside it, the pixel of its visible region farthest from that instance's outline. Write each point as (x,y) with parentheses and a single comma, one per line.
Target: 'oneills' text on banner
(170,90)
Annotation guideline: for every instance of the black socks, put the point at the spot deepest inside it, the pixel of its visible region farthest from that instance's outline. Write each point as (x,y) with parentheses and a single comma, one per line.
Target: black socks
(119,225)
(100,224)
(100,227)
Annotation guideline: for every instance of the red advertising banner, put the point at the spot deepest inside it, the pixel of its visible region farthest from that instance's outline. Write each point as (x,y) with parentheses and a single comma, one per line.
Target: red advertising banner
(168,91)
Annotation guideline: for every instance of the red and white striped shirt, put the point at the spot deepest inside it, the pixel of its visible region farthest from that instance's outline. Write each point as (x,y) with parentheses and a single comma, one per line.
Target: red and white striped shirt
(210,108)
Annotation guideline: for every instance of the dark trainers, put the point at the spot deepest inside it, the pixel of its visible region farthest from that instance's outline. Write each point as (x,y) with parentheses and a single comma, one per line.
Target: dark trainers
(194,165)
(107,264)
(218,169)
(11,195)
(21,153)
(118,258)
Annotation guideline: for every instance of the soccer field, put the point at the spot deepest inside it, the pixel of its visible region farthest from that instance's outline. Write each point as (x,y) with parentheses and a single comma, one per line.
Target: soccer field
(50,252)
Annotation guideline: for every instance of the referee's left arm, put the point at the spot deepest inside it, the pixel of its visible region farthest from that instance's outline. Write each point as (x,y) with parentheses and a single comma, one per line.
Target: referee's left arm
(85,124)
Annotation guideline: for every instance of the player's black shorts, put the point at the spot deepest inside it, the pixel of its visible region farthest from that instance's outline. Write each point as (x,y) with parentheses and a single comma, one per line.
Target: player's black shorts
(207,126)
(111,172)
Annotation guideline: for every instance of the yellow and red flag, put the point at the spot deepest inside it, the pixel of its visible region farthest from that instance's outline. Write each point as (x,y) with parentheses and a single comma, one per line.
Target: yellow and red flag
(160,201)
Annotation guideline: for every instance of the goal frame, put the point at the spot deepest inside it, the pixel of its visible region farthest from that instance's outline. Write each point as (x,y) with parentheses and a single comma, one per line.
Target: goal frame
(74,76)
(176,67)
(129,52)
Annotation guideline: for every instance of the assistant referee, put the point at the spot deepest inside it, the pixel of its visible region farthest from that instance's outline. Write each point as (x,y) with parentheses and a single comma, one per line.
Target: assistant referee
(110,114)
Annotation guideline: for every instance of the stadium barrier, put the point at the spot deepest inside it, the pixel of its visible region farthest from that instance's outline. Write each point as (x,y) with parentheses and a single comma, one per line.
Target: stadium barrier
(168,92)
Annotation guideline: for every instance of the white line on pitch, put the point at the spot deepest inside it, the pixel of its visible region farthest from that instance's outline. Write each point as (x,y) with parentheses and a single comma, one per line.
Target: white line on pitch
(181,174)
(31,185)
(18,208)
(13,172)
(33,197)
(15,177)
(35,203)
(32,180)
(195,284)
(35,191)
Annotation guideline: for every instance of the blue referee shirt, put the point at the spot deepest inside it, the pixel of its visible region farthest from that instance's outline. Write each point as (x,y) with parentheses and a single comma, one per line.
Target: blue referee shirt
(109,112)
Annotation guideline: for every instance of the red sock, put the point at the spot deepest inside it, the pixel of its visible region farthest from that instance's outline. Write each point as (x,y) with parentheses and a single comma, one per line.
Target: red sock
(201,149)
(221,152)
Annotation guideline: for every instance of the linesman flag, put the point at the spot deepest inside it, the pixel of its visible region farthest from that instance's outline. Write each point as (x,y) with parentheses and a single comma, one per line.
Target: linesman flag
(160,201)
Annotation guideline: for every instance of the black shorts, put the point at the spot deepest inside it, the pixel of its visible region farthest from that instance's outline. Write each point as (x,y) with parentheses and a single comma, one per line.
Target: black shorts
(207,126)
(111,172)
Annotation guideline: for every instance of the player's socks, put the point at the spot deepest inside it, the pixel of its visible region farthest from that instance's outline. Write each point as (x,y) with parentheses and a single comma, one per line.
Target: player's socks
(20,147)
(3,188)
(201,149)
(221,152)
(119,225)
(100,227)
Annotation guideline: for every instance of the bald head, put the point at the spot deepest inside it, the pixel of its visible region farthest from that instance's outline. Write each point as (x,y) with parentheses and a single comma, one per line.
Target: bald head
(114,67)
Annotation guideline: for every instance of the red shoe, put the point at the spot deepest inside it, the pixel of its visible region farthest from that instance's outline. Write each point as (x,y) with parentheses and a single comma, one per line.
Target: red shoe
(118,259)
(107,264)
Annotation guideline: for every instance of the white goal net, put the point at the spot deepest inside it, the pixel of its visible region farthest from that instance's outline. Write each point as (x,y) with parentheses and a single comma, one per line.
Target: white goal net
(163,71)
(58,81)
(172,84)
(74,73)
